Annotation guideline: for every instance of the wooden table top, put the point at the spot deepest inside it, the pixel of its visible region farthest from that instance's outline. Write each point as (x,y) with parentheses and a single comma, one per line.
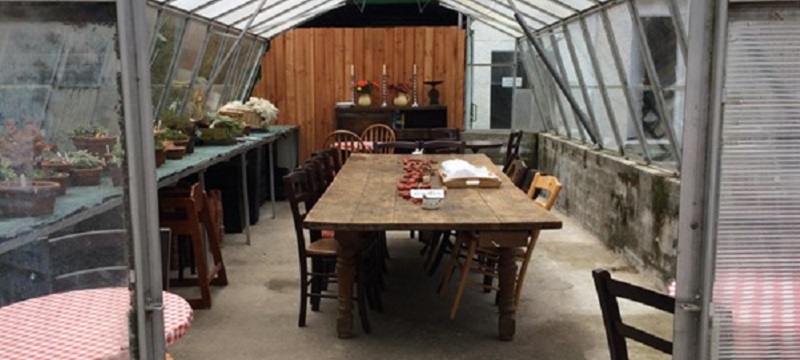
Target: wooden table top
(363,197)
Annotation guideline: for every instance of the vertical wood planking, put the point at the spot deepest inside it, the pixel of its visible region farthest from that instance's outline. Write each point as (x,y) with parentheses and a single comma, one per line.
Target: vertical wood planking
(306,71)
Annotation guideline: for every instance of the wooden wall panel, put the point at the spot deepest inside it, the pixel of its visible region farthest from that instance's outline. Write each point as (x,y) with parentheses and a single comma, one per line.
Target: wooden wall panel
(306,71)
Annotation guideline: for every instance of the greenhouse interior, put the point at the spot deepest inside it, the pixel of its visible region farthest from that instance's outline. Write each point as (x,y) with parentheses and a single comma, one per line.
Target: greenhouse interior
(166,165)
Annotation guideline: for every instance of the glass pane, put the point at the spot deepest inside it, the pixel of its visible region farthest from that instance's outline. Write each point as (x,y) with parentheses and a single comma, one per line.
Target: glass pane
(166,47)
(192,4)
(214,96)
(248,67)
(214,10)
(567,72)
(181,78)
(593,88)
(488,69)
(245,11)
(240,62)
(543,10)
(152,15)
(64,244)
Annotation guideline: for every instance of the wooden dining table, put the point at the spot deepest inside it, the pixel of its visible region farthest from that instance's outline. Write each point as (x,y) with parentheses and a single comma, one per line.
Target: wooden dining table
(363,200)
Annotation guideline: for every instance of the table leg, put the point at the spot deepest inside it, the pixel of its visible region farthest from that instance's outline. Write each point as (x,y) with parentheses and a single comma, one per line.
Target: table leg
(507,271)
(271,177)
(349,244)
(245,196)
(474,150)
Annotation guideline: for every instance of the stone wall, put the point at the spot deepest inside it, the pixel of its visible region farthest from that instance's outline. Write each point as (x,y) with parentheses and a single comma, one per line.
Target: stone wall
(630,207)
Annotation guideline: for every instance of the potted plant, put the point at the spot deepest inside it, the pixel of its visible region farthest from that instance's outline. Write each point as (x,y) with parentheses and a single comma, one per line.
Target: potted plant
(161,154)
(21,146)
(49,175)
(234,127)
(183,123)
(174,152)
(114,161)
(175,137)
(55,163)
(400,93)
(20,197)
(364,89)
(94,139)
(86,168)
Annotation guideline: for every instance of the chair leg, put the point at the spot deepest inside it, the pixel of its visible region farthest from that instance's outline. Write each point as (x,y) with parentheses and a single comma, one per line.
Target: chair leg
(524,267)
(316,284)
(443,247)
(487,279)
(301,322)
(202,269)
(451,267)
(462,282)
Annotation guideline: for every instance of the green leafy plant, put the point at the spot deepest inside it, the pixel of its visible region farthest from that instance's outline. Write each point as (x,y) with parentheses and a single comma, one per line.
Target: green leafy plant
(44,174)
(83,159)
(159,145)
(90,131)
(56,158)
(174,135)
(116,155)
(221,121)
(6,172)
(174,120)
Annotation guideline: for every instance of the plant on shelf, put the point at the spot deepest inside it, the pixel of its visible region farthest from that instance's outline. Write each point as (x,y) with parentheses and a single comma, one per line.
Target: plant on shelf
(21,197)
(21,146)
(264,108)
(160,153)
(235,128)
(86,168)
(114,161)
(175,136)
(93,138)
(176,121)
(49,175)
(55,162)
(364,88)
(400,93)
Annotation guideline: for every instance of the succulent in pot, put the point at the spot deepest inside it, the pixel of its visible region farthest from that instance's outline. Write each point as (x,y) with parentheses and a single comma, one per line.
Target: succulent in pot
(49,175)
(161,154)
(86,168)
(21,197)
(55,162)
(94,139)
(114,161)
(235,128)
(174,120)
(176,137)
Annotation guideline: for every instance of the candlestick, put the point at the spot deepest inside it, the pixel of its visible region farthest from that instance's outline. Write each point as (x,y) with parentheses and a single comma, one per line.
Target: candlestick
(352,85)
(414,84)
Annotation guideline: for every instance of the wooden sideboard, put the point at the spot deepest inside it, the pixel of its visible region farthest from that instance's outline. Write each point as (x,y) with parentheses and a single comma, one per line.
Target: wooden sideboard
(405,119)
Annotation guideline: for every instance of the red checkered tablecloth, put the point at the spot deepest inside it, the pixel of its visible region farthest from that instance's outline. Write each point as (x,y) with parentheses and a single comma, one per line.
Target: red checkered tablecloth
(83,324)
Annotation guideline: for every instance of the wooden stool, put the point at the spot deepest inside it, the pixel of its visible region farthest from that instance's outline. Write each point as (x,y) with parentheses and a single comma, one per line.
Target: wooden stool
(186,213)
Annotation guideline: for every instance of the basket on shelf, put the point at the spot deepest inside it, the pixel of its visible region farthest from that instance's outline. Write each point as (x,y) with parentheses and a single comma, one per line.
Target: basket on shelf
(247,117)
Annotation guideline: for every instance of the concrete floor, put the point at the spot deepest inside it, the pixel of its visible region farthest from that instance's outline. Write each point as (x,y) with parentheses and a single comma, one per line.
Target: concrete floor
(255,317)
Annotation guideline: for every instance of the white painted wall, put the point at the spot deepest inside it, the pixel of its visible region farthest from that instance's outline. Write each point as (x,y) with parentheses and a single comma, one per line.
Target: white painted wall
(485,40)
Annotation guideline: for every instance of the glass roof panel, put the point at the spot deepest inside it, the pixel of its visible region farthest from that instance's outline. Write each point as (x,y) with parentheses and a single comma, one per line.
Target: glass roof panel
(578,4)
(544,10)
(286,11)
(243,12)
(218,8)
(190,4)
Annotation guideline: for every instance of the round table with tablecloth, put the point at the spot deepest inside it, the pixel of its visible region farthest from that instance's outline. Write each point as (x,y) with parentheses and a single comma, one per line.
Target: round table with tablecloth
(81,324)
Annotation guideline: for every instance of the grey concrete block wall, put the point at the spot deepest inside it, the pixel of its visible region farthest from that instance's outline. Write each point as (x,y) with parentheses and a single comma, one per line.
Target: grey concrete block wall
(630,207)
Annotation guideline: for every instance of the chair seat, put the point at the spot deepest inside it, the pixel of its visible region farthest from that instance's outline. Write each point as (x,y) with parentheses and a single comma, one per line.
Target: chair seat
(491,250)
(328,233)
(324,247)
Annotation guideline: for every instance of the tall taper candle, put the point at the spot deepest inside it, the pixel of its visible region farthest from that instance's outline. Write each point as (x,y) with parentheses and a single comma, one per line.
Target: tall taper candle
(384,69)
(352,70)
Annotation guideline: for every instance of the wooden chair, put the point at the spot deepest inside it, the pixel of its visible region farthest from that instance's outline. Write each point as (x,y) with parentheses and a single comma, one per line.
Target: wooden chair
(89,260)
(379,133)
(326,160)
(342,143)
(487,257)
(544,184)
(516,171)
(443,147)
(389,146)
(608,290)
(512,148)
(186,213)
(320,251)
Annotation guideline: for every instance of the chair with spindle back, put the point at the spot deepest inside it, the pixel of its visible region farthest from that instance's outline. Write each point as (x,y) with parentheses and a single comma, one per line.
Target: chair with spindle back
(343,143)
(608,290)
(301,198)
(379,133)
(89,260)
(489,256)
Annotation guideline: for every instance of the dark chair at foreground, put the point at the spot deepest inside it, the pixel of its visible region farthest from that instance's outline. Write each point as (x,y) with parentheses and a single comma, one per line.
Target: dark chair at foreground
(512,148)
(608,290)
(320,251)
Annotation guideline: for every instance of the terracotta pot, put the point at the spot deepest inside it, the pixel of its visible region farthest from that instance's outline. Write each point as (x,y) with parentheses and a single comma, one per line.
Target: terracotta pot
(61,178)
(176,153)
(86,177)
(56,167)
(96,145)
(183,143)
(161,157)
(115,171)
(35,200)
